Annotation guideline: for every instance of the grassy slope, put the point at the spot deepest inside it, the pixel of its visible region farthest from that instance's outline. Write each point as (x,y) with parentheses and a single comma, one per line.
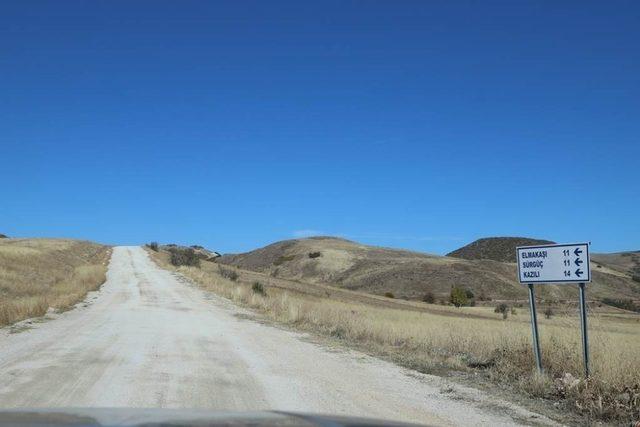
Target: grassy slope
(36,274)
(431,338)
(410,274)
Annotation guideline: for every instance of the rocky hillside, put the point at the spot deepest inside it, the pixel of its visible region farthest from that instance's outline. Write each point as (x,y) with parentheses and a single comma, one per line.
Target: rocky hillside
(407,274)
(501,249)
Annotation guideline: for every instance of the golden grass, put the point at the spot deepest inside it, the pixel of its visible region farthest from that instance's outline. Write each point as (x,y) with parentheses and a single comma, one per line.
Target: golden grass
(36,274)
(428,341)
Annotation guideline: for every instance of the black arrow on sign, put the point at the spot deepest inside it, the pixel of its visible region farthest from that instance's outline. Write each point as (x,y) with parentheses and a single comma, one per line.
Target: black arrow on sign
(579,272)
(577,252)
(578,261)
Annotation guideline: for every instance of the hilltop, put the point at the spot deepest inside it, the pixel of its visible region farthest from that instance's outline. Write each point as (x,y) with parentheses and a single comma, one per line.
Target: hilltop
(411,275)
(501,249)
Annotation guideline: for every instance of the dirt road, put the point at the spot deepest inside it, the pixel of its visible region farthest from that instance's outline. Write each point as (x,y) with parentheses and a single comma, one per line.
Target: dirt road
(149,339)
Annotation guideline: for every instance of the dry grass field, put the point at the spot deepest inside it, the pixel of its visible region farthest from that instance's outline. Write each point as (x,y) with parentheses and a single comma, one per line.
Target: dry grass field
(36,274)
(430,338)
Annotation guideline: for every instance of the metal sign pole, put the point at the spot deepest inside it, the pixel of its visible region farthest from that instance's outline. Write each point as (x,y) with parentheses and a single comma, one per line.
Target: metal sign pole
(534,327)
(583,327)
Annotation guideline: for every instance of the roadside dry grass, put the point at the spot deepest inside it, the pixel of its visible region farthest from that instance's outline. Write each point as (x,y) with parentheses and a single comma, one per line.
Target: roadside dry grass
(473,340)
(36,274)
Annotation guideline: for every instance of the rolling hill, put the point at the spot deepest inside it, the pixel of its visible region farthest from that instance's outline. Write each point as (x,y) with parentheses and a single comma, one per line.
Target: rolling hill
(347,264)
(495,248)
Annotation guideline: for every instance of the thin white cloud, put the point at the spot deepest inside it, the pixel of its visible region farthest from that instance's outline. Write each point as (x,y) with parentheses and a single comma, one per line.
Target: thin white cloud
(381,236)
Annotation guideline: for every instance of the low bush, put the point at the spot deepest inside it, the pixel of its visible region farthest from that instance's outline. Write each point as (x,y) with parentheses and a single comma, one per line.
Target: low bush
(548,313)
(314,255)
(228,273)
(258,288)
(153,246)
(186,256)
(389,295)
(429,298)
(503,309)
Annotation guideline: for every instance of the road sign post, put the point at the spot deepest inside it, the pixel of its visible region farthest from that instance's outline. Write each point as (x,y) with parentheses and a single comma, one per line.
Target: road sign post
(534,328)
(556,264)
(583,328)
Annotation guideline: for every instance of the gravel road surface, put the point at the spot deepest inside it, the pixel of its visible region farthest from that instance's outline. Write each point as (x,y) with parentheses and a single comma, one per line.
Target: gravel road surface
(150,339)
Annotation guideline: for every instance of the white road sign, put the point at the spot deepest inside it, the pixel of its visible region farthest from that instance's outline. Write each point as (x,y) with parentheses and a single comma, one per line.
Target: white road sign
(567,263)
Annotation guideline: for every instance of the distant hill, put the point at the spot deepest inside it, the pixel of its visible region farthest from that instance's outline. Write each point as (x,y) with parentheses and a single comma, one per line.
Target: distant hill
(406,274)
(3,236)
(501,249)
(627,263)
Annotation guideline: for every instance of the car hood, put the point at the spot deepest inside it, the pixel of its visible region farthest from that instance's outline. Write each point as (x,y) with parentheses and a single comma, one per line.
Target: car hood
(175,417)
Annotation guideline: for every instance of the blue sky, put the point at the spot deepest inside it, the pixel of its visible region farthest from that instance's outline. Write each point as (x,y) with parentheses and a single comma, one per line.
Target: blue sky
(415,124)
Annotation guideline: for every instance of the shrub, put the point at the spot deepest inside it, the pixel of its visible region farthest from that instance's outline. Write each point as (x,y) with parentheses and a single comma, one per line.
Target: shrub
(503,309)
(429,298)
(389,295)
(623,304)
(258,288)
(228,273)
(284,258)
(636,278)
(548,313)
(469,293)
(314,254)
(153,246)
(484,297)
(184,256)
(513,311)
(458,297)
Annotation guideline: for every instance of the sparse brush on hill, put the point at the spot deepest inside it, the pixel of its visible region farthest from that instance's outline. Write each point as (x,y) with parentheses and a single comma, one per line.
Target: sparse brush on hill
(3,236)
(184,256)
(153,246)
(376,270)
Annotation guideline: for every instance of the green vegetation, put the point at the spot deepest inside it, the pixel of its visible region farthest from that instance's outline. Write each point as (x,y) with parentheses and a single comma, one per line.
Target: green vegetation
(258,288)
(389,295)
(458,297)
(314,255)
(153,246)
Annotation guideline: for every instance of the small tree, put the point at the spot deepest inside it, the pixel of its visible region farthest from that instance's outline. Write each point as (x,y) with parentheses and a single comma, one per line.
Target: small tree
(458,297)
(153,246)
(548,313)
